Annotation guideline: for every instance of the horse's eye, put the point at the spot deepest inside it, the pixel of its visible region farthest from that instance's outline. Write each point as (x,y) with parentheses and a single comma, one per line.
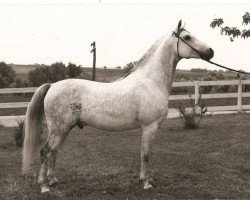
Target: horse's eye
(187,37)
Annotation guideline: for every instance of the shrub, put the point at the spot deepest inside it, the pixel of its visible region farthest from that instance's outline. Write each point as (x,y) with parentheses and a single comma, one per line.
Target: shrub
(18,132)
(38,76)
(57,72)
(73,71)
(19,83)
(191,117)
(7,75)
(47,74)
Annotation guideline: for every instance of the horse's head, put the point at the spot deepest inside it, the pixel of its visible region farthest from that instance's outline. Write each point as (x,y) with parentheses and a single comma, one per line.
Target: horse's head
(187,46)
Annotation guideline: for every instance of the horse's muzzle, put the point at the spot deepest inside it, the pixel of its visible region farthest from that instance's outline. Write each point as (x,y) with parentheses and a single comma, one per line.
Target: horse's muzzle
(208,54)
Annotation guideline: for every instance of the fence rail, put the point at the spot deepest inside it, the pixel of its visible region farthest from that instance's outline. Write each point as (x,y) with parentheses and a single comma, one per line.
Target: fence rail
(196,84)
(17,90)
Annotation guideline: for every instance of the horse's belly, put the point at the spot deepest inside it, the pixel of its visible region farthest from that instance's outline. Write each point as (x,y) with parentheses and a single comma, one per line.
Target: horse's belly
(116,127)
(111,121)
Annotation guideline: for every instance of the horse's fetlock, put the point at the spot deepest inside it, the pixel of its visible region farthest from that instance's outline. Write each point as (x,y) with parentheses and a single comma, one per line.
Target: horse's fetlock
(41,180)
(142,180)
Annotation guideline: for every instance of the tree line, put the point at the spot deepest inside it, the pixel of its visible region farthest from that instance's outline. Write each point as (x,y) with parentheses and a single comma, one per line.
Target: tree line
(45,74)
(59,71)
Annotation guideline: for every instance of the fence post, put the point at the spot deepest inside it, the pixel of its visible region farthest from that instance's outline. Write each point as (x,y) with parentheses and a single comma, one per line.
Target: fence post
(94,59)
(196,91)
(239,100)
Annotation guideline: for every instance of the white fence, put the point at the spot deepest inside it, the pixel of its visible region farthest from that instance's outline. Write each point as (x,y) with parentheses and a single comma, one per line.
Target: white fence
(239,95)
(10,120)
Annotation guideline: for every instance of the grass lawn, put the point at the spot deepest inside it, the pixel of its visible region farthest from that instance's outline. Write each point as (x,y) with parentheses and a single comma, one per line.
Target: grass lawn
(212,162)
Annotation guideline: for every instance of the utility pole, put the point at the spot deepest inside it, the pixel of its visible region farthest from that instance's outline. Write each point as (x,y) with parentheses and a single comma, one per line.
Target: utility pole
(94,59)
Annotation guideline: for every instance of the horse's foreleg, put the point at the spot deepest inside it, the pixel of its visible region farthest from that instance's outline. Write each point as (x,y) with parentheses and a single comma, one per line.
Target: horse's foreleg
(148,134)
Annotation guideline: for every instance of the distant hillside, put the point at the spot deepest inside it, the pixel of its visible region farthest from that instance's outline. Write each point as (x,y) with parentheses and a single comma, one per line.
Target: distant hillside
(108,75)
(102,75)
(193,75)
(23,69)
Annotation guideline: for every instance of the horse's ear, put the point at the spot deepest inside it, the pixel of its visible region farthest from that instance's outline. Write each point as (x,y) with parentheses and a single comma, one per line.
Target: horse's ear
(178,26)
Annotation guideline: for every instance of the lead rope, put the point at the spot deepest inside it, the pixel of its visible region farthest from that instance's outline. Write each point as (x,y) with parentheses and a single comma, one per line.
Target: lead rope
(211,62)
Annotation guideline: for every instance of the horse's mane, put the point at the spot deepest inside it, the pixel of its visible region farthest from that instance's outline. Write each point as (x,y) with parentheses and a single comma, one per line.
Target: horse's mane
(148,55)
(144,58)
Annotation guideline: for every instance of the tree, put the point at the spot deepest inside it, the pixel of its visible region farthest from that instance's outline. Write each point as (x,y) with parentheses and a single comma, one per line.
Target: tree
(57,72)
(39,76)
(73,71)
(233,32)
(7,75)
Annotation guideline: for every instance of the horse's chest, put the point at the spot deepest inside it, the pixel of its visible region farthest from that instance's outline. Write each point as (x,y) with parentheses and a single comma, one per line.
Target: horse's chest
(153,108)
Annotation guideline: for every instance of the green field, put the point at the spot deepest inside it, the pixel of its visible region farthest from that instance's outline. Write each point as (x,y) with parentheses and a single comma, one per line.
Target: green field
(209,163)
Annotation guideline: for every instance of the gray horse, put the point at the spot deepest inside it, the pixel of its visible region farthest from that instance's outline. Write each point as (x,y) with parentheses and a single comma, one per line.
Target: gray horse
(139,100)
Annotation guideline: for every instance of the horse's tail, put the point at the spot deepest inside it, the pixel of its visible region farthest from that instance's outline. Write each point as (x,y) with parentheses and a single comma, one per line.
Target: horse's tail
(33,125)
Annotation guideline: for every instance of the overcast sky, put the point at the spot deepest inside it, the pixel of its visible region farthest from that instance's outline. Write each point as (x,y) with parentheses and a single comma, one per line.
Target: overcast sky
(46,31)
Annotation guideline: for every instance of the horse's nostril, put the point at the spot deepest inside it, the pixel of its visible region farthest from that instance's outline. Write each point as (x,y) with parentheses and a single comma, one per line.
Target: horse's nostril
(211,52)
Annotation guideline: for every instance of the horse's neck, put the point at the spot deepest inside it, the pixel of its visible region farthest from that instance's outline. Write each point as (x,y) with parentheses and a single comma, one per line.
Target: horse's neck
(162,64)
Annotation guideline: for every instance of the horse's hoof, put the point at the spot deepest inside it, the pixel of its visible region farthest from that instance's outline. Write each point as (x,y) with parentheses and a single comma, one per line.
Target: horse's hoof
(53,182)
(147,186)
(44,189)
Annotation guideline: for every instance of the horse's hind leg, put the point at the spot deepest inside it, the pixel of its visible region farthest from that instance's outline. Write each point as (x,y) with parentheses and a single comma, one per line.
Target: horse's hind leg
(48,157)
(44,162)
(51,168)
(148,134)
(54,144)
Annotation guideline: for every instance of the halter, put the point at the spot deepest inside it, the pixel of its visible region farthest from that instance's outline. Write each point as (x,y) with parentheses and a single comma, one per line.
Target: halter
(177,35)
(179,38)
